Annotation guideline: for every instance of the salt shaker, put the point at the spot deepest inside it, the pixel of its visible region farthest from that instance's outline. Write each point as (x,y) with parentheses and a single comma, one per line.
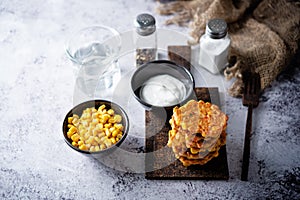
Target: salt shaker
(214,46)
(145,39)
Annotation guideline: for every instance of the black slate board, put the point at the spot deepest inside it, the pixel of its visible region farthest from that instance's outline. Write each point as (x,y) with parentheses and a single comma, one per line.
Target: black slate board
(160,160)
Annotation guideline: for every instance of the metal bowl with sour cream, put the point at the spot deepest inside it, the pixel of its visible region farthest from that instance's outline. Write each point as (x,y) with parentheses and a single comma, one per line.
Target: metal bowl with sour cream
(162,83)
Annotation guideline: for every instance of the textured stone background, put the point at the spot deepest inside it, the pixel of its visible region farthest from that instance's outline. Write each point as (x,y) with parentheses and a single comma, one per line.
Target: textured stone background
(36,91)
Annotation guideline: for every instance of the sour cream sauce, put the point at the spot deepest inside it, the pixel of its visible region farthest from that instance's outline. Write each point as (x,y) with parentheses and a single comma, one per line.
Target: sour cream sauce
(163,90)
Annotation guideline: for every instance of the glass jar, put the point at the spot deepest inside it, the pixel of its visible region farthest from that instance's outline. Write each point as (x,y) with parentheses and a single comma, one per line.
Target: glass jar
(214,46)
(145,39)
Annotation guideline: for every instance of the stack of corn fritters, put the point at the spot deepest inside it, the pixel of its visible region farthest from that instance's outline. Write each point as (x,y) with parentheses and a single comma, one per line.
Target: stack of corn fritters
(198,132)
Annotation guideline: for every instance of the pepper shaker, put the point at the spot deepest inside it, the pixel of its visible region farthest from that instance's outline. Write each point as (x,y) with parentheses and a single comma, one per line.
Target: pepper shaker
(214,46)
(145,39)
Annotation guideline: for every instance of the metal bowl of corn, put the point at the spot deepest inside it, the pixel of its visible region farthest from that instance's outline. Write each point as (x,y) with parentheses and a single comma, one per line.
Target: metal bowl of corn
(95,127)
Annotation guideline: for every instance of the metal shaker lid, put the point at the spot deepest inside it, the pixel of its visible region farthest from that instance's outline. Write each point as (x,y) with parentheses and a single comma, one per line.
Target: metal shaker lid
(216,28)
(145,24)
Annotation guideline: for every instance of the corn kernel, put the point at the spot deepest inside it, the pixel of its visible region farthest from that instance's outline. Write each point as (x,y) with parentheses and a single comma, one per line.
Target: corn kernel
(75,116)
(80,143)
(92,148)
(119,126)
(113,140)
(119,136)
(96,115)
(85,135)
(97,148)
(80,126)
(70,119)
(112,120)
(69,134)
(97,139)
(107,125)
(103,139)
(88,110)
(74,144)
(102,146)
(93,124)
(95,132)
(105,117)
(101,107)
(100,135)
(94,110)
(94,142)
(111,112)
(99,126)
(90,132)
(108,142)
(90,140)
(96,120)
(118,118)
(73,129)
(83,147)
(85,123)
(82,131)
(75,137)
(115,133)
(107,133)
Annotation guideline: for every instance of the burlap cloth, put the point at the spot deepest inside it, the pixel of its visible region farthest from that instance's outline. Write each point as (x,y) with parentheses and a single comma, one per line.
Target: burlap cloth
(264,34)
